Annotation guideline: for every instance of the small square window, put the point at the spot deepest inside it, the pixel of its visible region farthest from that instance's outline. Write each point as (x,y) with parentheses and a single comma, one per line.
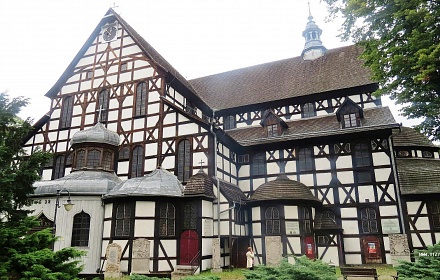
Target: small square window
(89,74)
(350,120)
(272,130)
(124,66)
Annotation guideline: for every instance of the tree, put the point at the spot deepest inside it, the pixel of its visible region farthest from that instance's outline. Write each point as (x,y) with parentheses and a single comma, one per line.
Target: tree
(426,266)
(401,40)
(24,255)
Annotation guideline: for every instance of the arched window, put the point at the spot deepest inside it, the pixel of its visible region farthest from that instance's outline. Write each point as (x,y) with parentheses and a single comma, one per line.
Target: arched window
(141,99)
(258,164)
(124,153)
(369,220)
(308,110)
(190,215)
(361,155)
(137,162)
(58,169)
(229,122)
(93,158)
(81,229)
(184,160)
(305,160)
(305,218)
(122,220)
(103,102)
(273,224)
(66,112)
(107,160)
(167,219)
(80,159)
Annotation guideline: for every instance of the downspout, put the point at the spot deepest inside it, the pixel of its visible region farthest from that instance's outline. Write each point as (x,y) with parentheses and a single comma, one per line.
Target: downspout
(215,172)
(399,200)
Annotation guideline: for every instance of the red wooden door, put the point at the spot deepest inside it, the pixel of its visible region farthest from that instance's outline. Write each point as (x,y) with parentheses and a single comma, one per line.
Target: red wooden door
(371,249)
(309,246)
(189,246)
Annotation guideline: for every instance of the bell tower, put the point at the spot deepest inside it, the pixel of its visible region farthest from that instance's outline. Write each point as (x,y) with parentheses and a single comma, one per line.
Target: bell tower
(313,48)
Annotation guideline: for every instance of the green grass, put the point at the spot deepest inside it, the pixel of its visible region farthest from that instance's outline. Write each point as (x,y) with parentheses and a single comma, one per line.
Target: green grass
(236,274)
(385,271)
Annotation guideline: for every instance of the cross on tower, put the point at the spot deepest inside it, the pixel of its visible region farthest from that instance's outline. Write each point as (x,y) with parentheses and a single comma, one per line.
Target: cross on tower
(201,165)
(100,113)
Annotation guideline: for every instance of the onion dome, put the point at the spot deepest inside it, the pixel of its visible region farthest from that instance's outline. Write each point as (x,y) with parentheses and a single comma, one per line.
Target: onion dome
(199,185)
(160,182)
(282,188)
(97,134)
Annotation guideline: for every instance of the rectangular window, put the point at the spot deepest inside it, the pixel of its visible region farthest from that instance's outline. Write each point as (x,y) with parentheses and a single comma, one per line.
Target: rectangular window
(243,158)
(272,130)
(89,74)
(124,66)
(350,120)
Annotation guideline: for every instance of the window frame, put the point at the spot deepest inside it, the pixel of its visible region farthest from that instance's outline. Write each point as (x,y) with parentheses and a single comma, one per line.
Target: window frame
(66,112)
(168,221)
(305,159)
(59,167)
(367,221)
(272,220)
(123,222)
(229,122)
(83,229)
(308,110)
(141,99)
(258,164)
(137,161)
(103,101)
(184,160)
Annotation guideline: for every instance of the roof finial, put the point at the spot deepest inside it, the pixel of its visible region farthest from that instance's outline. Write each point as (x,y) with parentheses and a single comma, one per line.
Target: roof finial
(310,13)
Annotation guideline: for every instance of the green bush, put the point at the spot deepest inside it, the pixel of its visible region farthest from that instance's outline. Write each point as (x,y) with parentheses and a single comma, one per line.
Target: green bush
(426,266)
(303,269)
(203,277)
(143,277)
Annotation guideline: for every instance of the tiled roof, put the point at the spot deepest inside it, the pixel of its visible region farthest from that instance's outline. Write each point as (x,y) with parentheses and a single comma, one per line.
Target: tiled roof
(418,175)
(411,137)
(374,118)
(232,192)
(199,184)
(293,77)
(283,188)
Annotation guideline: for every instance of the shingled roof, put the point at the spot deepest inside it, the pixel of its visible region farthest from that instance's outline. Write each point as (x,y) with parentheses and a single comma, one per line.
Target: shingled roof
(374,118)
(339,68)
(199,184)
(232,192)
(409,137)
(282,188)
(418,175)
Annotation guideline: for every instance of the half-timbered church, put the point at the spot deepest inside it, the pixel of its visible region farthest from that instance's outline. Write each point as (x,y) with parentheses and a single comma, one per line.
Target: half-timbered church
(290,157)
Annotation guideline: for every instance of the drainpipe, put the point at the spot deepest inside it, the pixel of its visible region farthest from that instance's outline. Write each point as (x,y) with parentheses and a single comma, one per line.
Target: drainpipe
(399,200)
(215,172)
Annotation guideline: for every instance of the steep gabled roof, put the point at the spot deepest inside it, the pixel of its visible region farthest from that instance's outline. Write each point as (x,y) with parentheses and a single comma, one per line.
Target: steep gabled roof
(149,51)
(339,68)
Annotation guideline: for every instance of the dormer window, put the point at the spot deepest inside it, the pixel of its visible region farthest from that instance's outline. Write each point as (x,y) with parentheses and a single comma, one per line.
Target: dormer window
(349,114)
(273,124)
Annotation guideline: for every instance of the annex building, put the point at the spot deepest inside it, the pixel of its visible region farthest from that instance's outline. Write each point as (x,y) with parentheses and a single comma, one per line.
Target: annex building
(291,157)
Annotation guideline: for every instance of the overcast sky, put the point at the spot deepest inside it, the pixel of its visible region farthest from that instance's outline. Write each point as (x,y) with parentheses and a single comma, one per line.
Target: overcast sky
(198,37)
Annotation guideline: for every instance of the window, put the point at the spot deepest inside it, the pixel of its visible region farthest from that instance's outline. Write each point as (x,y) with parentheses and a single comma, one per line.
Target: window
(89,74)
(403,154)
(229,122)
(103,105)
(184,160)
(239,216)
(124,153)
(58,169)
(93,158)
(427,154)
(66,112)
(350,120)
(305,161)
(137,162)
(124,66)
(167,219)
(273,224)
(328,219)
(190,215)
(122,220)
(308,110)
(369,221)
(361,155)
(80,159)
(305,220)
(81,229)
(107,160)
(243,158)
(323,240)
(434,214)
(141,99)
(69,159)
(272,130)
(258,164)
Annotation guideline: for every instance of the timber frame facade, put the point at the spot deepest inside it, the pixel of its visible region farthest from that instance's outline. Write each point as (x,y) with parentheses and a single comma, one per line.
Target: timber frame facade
(306,158)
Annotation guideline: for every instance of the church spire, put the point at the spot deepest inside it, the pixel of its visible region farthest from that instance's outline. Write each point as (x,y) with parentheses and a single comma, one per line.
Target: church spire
(313,48)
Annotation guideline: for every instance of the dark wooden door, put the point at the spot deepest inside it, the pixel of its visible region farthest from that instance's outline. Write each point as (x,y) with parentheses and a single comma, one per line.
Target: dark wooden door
(238,253)
(309,247)
(189,246)
(371,249)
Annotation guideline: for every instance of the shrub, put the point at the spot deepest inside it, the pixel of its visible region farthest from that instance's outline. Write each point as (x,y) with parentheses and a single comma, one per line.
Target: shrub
(303,269)
(143,277)
(426,266)
(203,277)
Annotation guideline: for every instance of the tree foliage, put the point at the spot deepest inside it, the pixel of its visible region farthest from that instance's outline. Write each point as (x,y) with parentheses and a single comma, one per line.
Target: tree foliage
(402,46)
(24,255)
(303,269)
(426,266)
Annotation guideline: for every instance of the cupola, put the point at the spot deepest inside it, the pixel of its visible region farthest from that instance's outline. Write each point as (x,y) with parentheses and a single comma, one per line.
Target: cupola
(313,47)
